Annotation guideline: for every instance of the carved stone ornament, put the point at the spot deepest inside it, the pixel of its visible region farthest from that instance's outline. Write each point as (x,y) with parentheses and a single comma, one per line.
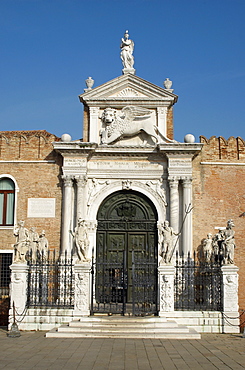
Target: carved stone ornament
(157,186)
(94,186)
(127,185)
(89,83)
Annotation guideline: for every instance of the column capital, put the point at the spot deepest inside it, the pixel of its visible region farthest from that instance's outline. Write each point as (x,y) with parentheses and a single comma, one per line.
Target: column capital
(81,180)
(173,181)
(161,110)
(94,110)
(67,180)
(186,181)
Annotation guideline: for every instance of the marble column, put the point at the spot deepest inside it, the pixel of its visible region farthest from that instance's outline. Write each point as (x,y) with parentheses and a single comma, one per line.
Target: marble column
(187,216)
(81,196)
(94,129)
(66,244)
(174,203)
(230,299)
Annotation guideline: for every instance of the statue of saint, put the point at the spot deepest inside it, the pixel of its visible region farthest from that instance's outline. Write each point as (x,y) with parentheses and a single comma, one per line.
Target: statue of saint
(81,240)
(22,242)
(127,48)
(43,245)
(166,238)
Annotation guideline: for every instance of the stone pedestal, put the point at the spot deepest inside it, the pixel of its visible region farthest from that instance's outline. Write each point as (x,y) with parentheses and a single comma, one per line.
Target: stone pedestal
(18,291)
(230,299)
(166,287)
(82,289)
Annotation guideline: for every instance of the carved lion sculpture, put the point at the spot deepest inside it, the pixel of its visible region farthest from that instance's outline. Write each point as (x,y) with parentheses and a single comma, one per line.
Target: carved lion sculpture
(129,122)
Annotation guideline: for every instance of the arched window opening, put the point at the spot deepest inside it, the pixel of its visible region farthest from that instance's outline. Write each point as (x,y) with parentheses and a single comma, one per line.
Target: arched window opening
(7,199)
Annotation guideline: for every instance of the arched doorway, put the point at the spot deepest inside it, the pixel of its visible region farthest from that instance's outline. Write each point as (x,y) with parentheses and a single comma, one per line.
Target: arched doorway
(126,255)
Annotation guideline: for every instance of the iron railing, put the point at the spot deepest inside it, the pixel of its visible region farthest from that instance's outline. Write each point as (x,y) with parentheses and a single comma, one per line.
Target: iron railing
(50,281)
(198,284)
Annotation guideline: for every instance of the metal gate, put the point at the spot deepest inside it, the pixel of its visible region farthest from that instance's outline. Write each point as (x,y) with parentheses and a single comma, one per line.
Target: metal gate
(125,270)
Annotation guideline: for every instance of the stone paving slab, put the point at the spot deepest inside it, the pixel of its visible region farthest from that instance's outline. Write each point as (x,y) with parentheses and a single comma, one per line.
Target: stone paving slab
(33,351)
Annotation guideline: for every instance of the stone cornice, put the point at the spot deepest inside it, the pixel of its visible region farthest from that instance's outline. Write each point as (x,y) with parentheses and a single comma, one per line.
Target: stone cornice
(88,148)
(174,149)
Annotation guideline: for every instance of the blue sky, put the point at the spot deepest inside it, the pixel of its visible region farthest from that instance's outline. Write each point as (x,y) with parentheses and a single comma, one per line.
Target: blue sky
(49,47)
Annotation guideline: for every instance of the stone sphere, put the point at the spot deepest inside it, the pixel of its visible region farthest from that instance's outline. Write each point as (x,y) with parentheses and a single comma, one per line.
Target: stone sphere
(189,138)
(66,138)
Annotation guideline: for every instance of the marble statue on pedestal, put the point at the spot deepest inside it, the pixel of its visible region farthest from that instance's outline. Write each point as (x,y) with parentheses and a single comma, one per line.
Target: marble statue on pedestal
(127,48)
(22,242)
(166,240)
(81,240)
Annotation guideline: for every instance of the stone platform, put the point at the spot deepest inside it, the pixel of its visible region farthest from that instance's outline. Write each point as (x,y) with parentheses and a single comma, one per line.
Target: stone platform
(123,327)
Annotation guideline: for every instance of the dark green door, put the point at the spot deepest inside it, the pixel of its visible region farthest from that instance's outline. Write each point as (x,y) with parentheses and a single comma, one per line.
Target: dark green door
(126,255)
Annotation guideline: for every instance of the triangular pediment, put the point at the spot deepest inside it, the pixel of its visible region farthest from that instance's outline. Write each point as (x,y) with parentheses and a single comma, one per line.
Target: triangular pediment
(128,87)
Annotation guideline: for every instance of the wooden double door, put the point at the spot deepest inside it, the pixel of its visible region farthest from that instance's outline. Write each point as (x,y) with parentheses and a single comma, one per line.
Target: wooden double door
(126,255)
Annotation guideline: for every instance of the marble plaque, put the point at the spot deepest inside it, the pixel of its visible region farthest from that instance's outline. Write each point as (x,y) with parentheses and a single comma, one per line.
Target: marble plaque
(41,207)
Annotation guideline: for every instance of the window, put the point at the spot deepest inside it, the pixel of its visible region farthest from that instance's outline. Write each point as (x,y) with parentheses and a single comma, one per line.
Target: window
(7,198)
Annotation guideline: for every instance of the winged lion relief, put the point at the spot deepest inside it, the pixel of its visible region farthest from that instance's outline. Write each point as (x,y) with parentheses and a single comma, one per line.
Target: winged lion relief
(128,122)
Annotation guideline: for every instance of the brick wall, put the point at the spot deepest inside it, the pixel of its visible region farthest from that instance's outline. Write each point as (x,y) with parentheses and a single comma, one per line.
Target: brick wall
(219,194)
(24,155)
(170,123)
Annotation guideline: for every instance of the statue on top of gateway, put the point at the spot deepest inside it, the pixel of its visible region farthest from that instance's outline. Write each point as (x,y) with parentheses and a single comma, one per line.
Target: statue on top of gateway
(127,48)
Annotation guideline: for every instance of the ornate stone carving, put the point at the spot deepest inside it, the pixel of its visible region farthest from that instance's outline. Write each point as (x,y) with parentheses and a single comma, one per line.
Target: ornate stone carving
(129,92)
(127,123)
(165,240)
(95,186)
(166,281)
(82,289)
(157,186)
(127,48)
(126,185)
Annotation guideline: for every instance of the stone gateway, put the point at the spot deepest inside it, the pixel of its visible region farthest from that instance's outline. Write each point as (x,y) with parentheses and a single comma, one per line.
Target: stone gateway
(126,227)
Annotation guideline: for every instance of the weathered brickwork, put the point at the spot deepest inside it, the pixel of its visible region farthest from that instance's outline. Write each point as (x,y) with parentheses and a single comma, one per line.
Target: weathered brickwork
(219,195)
(170,124)
(28,156)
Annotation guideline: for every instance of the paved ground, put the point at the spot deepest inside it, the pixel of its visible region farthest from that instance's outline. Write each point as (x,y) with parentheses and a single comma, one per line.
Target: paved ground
(33,351)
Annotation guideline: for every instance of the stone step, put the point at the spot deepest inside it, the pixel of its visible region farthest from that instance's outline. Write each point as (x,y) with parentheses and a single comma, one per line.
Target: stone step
(123,327)
(110,323)
(67,328)
(191,334)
